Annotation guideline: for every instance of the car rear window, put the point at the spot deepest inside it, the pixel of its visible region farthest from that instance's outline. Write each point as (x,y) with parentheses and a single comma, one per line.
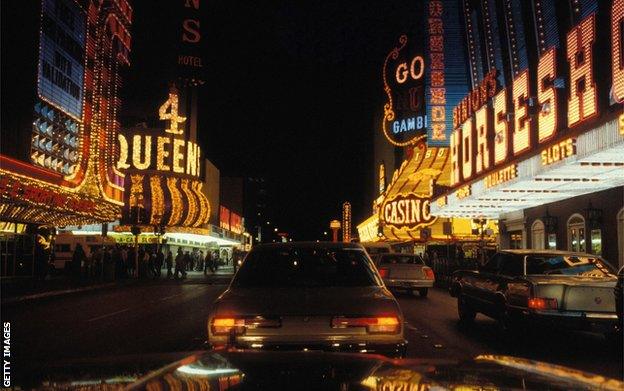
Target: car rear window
(306,267)
(568,265)
(401,259)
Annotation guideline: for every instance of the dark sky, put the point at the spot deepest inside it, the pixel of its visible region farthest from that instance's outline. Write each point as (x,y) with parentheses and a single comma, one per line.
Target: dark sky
(291,94)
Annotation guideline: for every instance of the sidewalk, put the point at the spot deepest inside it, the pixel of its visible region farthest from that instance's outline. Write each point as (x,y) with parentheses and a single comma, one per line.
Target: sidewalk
(21,289)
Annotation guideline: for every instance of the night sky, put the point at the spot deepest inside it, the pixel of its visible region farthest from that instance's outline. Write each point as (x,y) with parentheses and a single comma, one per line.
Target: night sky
(292,92)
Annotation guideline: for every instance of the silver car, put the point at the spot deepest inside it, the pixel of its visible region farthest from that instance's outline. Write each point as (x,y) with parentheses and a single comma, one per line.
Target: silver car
(405,272)
(308,296)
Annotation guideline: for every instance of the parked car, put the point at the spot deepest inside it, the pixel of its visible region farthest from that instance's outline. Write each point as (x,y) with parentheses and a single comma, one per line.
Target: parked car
(553,288)
(308,296)
(406,272)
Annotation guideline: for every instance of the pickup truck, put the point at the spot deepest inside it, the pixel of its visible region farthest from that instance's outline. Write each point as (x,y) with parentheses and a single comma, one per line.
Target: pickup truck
(539,287)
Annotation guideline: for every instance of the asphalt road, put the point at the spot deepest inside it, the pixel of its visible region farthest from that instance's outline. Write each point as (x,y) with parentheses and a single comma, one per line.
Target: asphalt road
(170,316)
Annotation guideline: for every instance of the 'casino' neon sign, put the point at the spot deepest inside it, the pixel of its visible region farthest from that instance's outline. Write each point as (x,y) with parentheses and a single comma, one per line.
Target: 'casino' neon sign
(491,127)
(409,211)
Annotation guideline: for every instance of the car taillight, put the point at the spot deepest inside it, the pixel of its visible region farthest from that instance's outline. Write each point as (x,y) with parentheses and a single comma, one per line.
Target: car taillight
(383,272)
(428,273)
(543,303)
(374,325)
(240,325)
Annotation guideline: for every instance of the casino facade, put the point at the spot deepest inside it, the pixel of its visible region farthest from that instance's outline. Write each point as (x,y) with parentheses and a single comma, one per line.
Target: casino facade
(531,108)
(59,124)
(538,142)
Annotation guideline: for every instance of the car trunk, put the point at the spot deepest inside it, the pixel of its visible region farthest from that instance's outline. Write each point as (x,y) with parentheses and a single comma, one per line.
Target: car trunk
(577,293)
(307,311)
(404,271)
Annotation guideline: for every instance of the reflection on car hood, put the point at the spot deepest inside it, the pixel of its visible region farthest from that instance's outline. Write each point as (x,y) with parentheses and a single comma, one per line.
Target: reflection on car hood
(236,369)
(307,301)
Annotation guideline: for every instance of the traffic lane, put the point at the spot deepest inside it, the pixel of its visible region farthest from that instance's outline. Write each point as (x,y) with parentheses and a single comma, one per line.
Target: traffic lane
(140,319)
(433,332)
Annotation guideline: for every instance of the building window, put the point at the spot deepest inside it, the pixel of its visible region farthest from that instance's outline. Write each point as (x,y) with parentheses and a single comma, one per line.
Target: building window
(552,241)
(576,233)
(596,241)
(537,235)
(515,240)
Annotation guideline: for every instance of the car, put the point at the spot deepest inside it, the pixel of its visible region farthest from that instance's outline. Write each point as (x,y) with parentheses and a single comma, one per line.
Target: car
(308,296)
(539,287)
(406,272)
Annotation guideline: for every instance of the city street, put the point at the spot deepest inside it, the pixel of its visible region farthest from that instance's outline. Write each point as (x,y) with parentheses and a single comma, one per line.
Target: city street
(170,316)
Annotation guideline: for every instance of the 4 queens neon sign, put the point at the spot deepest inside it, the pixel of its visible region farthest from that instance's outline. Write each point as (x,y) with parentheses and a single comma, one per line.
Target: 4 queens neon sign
(493,126)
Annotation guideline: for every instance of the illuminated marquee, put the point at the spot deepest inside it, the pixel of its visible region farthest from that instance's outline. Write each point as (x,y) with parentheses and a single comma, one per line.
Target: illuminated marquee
(162,153)
(409,211)
(487,135)
(501,176)
(405,119)
(346,222)
(437,89)
(83,46)
(164,170)
(558,152)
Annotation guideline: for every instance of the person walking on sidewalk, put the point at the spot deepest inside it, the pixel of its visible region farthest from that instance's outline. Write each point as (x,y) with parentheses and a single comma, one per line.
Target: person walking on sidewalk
(78,258)
(179,263)
(207,262)
(160,259)
(169,262)
(131,261)
(186,260)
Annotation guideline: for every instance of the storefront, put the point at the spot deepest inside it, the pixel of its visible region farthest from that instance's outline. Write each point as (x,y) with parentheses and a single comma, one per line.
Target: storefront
(540,147)
(57,160)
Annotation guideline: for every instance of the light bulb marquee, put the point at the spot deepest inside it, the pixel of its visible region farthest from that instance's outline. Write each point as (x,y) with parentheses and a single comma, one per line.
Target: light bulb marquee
(405,119)
(71,178)
(498,126)
(169,165)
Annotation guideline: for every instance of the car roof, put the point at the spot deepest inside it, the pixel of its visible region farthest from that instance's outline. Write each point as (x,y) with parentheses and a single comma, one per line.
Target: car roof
(291,245)
(548,252)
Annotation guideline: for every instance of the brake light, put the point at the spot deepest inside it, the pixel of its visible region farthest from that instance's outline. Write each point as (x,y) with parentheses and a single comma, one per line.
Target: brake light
(543,303)
(428,273)
(240,325)
(374,325)
(383,272)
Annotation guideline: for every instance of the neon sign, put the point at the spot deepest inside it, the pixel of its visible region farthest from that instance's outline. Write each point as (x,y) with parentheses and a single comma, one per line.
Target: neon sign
(487,135)
(407,211)
(405,120)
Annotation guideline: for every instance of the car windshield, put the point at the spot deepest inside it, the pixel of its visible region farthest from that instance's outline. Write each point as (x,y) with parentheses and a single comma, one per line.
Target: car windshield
(568,265)
(401,259)
(302,267)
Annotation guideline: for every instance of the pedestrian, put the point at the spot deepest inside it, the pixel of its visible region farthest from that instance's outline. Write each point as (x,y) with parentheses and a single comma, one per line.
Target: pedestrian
(208,262)
(200,261)
(144,267)
(169,262)
(160,259)
(78,257)
(179,263)
(186,261)
(124,262)
(151,264)
(131,262)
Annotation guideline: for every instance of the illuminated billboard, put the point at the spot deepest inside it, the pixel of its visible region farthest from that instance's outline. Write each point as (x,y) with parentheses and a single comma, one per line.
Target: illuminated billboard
(405,119)
(545,105)
(164,170)
(62,55)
